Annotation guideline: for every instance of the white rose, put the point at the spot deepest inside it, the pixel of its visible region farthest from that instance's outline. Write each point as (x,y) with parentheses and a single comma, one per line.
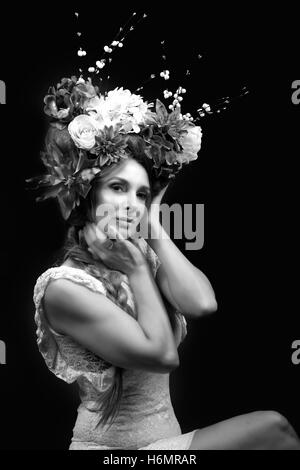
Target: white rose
(191,143)
(83,130)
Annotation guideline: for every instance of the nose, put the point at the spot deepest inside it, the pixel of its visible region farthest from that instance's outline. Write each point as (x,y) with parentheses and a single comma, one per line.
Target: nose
(131,206)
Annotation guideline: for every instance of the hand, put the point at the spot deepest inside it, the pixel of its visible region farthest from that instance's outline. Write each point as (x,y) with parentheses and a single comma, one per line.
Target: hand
(154,210)
(124,256)
(157,199)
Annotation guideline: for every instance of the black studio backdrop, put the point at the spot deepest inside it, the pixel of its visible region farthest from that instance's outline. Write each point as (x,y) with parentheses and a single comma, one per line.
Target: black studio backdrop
(239,359)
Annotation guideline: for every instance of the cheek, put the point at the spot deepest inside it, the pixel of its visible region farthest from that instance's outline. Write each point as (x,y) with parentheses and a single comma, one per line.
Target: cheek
(110,198)
(107,203)
(115,202)
(105,196)
(142,210)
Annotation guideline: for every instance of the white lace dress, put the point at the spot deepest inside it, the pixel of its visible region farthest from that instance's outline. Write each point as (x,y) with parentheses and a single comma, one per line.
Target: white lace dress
(146,418)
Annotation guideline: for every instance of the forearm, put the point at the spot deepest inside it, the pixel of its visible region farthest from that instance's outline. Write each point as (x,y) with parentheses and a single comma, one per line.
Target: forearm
(152,316)
(188,285)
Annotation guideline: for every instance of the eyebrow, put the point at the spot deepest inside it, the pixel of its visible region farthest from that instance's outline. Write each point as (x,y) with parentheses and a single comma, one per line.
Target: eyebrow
(125,181)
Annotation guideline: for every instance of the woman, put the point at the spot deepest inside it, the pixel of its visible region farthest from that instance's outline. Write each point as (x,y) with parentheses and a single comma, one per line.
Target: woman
(111,315)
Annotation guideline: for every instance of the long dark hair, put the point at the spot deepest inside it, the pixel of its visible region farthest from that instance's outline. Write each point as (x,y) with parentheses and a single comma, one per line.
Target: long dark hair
(75,248)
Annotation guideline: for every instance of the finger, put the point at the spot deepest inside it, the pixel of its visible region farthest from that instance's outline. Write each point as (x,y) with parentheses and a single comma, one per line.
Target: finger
(115,233)
(98,237)
(135,241)
(108,244)
(92,253)
(94,244)
(102,242)
(88,235)
(100,234)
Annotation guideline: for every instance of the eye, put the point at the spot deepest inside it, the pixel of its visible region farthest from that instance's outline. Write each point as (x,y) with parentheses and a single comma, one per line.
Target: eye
(116,186)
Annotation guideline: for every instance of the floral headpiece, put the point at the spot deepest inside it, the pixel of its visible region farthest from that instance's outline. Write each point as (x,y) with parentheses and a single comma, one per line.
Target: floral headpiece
(93,130)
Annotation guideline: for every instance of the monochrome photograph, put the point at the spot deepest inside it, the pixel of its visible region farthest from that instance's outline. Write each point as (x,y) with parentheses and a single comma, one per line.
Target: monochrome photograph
(149,226)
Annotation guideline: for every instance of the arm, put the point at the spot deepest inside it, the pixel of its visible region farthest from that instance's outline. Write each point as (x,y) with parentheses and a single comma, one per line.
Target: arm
(152,315)
(99,325)
(184,285)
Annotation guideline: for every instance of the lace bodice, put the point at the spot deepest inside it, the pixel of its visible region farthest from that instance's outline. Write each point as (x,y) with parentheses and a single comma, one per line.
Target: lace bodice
(67,359)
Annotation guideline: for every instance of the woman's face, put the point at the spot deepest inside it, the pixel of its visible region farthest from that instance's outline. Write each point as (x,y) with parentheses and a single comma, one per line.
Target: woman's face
(125,191)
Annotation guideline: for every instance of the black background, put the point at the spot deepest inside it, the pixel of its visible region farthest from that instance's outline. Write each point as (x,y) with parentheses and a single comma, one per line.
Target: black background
(239,359)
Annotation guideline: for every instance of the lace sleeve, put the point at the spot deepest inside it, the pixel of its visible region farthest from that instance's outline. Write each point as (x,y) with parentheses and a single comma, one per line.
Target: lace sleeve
(64,357)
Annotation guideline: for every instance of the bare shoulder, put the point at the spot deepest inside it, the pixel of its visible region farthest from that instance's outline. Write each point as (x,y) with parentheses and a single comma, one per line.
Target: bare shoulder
(64,300)
(58,290)
(58,301)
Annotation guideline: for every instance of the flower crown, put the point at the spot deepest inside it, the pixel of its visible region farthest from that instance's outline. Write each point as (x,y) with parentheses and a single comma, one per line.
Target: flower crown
(90,130)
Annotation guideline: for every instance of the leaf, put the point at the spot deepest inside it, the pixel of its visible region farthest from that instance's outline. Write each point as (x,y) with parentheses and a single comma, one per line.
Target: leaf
(174,116)
(161,111)
(53,192)
(65,207)
(84,188)
(160,139)
(67,202)
(81,161)
(43,180)
(150,117)
(147,133)
(157,139)
(156,154)
(62,171)
(171,157)
(148,152)
(56,154)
